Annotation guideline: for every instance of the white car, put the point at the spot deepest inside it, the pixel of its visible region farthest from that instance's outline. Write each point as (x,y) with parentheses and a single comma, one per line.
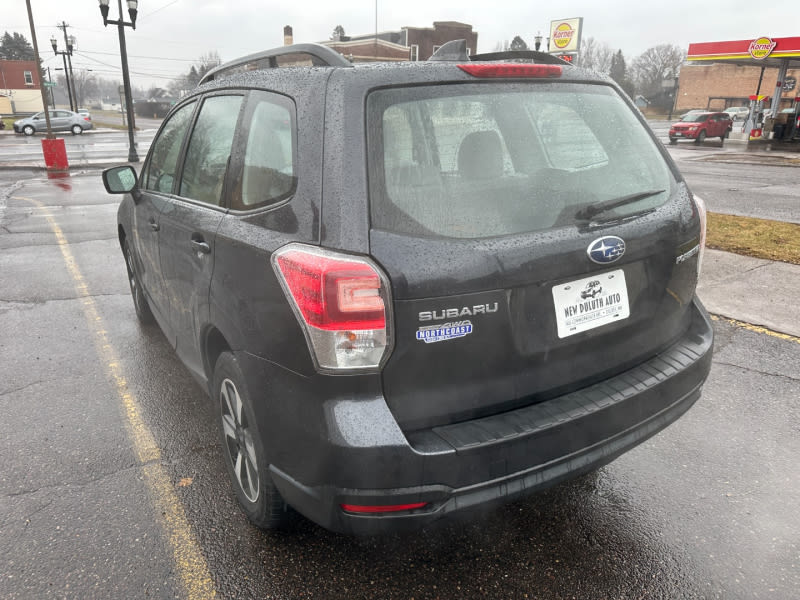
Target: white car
(738,112)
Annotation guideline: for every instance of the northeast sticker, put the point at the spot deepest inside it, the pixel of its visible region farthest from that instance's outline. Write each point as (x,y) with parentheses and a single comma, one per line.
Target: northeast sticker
(446,331)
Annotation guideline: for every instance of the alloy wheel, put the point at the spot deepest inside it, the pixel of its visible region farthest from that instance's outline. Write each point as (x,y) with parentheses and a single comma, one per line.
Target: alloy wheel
(239,442)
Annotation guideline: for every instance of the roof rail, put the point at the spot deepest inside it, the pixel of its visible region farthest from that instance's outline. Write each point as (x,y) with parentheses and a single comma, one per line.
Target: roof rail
(457,50)
(321,56)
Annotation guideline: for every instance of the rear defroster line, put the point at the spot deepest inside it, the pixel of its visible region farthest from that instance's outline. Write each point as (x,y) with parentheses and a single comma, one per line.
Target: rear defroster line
(188,558)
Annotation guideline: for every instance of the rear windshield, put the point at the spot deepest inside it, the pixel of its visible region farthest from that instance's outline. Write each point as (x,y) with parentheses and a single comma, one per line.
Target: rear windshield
(477,160)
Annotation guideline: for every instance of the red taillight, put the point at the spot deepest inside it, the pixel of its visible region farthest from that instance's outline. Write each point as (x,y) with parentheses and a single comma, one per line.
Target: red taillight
(341,304)
(333,294)
(370,509)
(512,70)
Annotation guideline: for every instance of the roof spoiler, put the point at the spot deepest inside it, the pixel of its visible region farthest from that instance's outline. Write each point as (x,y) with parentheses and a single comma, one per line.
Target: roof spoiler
(321,56)
(456,50)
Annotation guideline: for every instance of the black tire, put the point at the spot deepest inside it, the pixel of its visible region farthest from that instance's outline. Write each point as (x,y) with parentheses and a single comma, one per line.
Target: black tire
(77,130)
(701,137)
(28,130)
(673,141)
(243,449)
(143,312)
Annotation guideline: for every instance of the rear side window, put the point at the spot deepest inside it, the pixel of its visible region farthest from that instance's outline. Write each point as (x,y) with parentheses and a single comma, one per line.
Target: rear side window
(477,160)
(209,149)
(268,172)
(159,174)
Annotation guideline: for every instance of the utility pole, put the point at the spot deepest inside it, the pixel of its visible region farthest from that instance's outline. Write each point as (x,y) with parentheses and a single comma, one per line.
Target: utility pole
(50,135)
(50,81)
(70,43)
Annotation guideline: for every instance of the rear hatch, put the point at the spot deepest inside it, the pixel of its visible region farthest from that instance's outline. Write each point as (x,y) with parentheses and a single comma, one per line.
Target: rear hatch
(536,239)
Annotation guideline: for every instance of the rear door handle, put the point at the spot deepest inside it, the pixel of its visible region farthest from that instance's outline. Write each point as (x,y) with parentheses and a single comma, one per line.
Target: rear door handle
(201,246)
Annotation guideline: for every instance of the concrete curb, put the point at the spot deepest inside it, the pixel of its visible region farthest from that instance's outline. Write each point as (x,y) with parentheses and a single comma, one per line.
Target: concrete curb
(754,290)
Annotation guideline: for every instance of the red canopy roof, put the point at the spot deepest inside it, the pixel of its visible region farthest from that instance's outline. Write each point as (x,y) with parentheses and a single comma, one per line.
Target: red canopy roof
(756,50)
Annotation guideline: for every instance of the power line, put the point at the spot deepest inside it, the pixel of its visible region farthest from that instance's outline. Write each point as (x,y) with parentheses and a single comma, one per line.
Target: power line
(191,60)
(151,13)
(162,75)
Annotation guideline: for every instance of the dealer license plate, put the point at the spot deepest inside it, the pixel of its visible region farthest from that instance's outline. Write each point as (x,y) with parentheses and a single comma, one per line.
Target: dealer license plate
(590,302)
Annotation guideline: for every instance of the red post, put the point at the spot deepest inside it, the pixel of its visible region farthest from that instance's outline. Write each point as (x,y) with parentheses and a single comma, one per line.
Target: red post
(55,154)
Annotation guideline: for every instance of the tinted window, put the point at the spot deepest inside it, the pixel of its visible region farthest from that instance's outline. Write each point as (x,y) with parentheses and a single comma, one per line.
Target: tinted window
(268,174)
(481,161)
(209,149)
(160,171)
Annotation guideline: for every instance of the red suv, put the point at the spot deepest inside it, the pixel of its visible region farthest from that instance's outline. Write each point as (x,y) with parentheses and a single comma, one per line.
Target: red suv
(699,126)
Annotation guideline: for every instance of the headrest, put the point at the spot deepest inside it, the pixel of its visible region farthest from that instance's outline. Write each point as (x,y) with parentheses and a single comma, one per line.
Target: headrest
(480,155)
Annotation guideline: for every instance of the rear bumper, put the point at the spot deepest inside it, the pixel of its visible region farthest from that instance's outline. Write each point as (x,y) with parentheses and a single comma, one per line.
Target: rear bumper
(684,134)
(356,455)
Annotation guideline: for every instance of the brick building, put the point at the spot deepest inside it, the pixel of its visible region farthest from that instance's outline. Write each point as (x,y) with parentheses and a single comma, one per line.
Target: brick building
(19,87)
(406,43)
(718,86)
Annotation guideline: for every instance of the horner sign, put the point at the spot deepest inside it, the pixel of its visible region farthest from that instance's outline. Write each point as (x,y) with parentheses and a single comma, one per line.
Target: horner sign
(761,48)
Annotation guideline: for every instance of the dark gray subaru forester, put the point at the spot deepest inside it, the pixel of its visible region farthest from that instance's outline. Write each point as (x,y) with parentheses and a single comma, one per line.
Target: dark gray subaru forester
(420,288)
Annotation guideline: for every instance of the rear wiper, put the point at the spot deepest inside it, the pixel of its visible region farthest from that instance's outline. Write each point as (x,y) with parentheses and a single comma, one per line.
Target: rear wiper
(587,212)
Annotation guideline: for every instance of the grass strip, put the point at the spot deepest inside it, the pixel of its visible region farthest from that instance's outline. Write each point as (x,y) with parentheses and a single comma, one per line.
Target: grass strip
(760,238)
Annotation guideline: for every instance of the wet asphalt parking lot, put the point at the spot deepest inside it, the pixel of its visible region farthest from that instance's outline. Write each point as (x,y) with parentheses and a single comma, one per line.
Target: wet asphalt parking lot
(112,484)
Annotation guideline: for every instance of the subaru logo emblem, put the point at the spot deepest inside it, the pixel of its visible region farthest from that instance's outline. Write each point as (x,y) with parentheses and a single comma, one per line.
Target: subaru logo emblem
(606,249)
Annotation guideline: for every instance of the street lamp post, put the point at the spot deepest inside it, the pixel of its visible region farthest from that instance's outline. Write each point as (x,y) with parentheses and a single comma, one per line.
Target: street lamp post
(133,6)
(64,54)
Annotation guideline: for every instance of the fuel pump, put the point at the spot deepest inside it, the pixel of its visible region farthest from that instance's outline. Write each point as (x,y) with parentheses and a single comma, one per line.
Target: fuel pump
(754,126)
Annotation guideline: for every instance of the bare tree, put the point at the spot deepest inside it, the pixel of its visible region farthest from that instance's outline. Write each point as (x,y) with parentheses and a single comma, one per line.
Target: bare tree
(208,61)
(85,86)
(180,85)
(654,65)
(596,55)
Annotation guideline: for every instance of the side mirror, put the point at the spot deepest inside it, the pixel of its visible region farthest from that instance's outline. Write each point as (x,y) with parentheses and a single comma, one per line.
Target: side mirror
(120,180)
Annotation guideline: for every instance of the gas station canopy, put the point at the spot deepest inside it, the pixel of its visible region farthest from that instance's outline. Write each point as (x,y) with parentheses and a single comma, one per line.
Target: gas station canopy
(763,51)
(781,53)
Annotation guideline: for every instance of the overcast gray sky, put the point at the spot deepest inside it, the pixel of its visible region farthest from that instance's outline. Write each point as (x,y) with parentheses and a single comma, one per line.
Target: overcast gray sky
(172,34)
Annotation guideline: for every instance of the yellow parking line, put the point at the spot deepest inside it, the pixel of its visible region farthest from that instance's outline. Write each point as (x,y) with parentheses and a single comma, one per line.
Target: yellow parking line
(189,561)
(758,329)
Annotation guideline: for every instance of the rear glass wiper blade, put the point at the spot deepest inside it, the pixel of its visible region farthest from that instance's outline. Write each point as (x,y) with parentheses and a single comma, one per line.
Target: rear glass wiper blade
(587,212)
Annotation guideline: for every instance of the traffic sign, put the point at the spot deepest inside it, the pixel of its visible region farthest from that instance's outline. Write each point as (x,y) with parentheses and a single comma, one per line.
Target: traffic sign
(49,84)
